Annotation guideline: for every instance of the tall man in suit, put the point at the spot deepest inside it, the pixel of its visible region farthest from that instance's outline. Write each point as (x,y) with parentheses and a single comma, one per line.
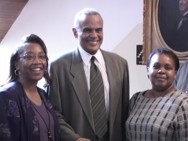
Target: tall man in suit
(69,91)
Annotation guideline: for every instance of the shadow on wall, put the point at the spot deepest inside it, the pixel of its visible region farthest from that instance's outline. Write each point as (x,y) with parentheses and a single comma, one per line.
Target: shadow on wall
(127,49)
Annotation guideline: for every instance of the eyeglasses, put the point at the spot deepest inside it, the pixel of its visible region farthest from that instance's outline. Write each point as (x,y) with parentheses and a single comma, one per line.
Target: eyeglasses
(32,56)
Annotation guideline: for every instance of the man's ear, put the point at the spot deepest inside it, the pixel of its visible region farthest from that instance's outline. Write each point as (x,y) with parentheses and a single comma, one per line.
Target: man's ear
(75,32)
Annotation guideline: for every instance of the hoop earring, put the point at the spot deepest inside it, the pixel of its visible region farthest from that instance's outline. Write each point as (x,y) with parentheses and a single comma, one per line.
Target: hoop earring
(16,72)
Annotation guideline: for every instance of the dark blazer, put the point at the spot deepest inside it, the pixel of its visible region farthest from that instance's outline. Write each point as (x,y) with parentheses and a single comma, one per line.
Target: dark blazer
(180,41)
(70,97)
(17,118)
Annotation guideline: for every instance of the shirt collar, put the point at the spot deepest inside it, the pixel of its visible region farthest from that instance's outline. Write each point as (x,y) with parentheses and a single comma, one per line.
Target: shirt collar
(86,56)
(185,14)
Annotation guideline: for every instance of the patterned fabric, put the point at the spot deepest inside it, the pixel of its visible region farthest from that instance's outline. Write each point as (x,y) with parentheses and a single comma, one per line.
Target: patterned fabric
(97,100)
(158,119)
(17,118)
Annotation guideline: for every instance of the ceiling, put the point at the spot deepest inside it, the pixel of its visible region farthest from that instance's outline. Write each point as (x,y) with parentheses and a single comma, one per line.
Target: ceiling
(9,11)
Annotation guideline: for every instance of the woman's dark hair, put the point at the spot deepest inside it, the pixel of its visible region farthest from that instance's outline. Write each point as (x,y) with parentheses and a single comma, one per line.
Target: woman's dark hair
(167,52)
(31,38)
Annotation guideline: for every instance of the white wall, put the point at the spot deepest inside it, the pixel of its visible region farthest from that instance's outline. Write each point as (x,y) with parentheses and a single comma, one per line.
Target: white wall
(53,20)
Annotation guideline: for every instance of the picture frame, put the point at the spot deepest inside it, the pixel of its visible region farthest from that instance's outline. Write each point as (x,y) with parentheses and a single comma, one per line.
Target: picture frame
(155,29)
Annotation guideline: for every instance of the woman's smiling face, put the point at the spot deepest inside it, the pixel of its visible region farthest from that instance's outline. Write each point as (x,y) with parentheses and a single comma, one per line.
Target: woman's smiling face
(161,72)
(32,63)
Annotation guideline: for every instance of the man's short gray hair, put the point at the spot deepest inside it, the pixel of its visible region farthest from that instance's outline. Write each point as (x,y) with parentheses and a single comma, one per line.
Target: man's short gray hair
(81,14)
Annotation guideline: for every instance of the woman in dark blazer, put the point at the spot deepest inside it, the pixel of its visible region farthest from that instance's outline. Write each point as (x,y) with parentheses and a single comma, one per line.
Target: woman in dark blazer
(26,113)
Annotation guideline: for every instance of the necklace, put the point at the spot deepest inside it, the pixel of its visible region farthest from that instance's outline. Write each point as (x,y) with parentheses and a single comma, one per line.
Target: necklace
(49,134)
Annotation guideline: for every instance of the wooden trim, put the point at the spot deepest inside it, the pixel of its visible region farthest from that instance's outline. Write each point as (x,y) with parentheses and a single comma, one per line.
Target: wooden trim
(9,11)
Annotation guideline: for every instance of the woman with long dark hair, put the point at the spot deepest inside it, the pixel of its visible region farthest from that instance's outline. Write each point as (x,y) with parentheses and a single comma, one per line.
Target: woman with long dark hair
(26,113)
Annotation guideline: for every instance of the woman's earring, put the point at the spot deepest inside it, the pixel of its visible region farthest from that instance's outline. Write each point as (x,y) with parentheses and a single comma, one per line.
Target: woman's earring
(16,72)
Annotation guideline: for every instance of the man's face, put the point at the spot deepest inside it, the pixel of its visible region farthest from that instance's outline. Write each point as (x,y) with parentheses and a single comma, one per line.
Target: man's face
(90,33)
(183,6)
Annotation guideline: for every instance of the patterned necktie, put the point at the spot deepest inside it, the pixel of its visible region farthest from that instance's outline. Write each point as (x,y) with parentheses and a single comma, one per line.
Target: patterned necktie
(97,100)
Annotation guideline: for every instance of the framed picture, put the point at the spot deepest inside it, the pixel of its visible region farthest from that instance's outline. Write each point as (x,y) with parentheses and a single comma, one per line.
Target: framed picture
(161,21)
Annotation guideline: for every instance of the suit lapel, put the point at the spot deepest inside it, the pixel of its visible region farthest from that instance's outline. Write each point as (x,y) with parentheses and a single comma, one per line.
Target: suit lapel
(80,85)
(114,96)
